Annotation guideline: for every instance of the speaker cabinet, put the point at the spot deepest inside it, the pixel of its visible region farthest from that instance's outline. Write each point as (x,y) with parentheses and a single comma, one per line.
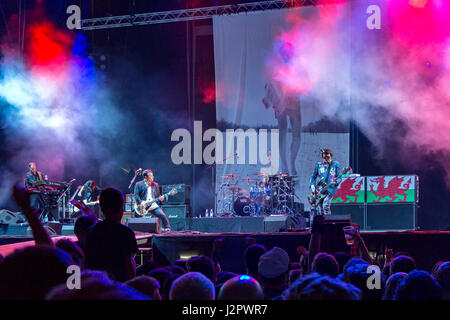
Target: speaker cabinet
(127,216)
(55,227)
(395,216)
(356,212)
(150,225)
(177,215)
(182,197)
(278,223)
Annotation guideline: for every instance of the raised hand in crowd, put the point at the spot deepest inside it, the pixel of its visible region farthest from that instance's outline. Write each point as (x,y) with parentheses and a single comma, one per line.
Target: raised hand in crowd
(22,198)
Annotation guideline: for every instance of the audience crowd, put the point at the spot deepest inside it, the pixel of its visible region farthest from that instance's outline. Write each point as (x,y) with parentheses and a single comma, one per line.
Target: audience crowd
(105,249)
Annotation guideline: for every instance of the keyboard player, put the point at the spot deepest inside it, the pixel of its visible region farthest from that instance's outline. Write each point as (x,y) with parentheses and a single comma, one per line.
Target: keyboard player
(34,176)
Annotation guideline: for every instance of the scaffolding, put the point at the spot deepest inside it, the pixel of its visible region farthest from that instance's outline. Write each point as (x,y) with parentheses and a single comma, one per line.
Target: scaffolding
(188,14)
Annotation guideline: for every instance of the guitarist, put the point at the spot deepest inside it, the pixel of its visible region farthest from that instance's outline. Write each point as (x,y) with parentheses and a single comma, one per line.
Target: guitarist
(90,195)
(146,191)
(326,171)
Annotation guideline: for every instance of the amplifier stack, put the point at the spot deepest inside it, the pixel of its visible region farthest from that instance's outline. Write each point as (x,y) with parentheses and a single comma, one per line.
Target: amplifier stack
(177,207)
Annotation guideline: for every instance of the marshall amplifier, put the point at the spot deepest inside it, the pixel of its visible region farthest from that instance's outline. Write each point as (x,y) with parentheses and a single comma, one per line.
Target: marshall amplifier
(182,197)
(177,215)
(129,206)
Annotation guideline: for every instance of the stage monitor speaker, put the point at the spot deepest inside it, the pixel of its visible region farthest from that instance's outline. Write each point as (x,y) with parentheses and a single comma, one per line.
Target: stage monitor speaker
(338,218)
(55,228)
(177,215)
(279,223)
(394,216)
(8,217)
(182,197)
(150,225)
(356,212)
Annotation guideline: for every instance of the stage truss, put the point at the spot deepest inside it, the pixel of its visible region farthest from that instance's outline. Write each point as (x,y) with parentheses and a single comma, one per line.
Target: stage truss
(188,14)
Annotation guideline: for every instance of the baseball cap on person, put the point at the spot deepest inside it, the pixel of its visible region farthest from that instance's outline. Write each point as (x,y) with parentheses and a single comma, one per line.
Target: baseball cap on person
(273,263)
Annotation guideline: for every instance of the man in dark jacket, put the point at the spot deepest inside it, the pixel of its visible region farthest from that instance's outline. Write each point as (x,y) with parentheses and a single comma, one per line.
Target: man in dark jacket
(145,192)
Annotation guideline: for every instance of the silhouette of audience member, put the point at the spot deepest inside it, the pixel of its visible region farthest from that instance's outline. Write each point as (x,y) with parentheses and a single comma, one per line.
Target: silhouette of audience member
(294,291)
(223,277)
(160,274)
(96,285)
(342,258)
(146,285)
(327,288)
(435,268)
(358,276)
(251,259)
(109,244)
(176,269)
(181,263)
(31,272)
(294,275)
(168,284)
(392,285)
(192,286)
(241,287)
(204,265)
(418,285)
(73,250)
(402,264)
(82,224)
(325,264)
(145,268)
(443,278)
(350,263)
(273,272)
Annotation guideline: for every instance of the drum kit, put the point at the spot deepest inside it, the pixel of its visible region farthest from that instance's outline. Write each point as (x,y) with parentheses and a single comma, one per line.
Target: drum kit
(264,195)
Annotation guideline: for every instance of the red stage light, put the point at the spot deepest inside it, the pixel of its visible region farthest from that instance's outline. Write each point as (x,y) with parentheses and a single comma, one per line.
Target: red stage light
(418,3)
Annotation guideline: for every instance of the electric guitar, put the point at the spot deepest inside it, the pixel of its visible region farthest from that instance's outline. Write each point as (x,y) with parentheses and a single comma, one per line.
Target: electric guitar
(148,205)
(321,189)
(76,209)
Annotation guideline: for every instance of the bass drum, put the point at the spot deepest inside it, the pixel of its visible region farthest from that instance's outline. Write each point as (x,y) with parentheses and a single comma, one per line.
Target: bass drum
(243,206)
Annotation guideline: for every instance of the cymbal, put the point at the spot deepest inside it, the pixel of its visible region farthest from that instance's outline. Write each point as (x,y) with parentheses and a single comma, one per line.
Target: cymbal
(229,176)
(261,174)
(249,179)
(279,175)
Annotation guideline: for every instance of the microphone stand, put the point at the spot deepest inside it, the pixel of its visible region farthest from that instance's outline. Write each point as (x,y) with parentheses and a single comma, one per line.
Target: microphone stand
(66,193)
(136,173)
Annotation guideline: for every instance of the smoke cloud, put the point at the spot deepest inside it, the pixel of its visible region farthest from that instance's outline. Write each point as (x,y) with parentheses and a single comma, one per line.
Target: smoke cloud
(392,82)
